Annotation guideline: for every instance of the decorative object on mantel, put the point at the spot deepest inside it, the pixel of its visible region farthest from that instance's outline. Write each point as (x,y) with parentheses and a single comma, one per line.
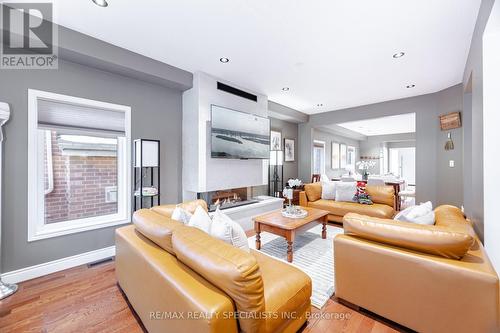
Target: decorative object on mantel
(146,160)
(289,150)
(369,157)
(450,121)
(6,289)
(449,145)
(364,166)
(275,183)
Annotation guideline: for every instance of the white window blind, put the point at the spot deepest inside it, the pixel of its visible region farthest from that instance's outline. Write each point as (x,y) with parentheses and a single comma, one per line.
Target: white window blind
(55,114)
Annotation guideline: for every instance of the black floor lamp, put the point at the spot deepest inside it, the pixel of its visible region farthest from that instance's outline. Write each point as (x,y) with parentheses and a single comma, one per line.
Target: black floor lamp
(275,173)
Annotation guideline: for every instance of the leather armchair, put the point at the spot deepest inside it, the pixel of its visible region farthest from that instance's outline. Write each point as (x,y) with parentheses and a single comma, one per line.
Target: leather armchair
(428,278)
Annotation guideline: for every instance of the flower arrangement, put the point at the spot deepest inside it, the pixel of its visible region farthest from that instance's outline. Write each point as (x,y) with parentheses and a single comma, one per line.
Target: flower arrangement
(293,183)
(364,166)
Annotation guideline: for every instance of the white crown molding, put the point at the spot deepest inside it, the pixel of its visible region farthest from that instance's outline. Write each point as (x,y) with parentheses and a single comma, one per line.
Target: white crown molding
(32,272)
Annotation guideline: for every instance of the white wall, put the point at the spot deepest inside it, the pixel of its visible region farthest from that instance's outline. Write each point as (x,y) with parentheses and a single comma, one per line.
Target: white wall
(491,121)
(201,173)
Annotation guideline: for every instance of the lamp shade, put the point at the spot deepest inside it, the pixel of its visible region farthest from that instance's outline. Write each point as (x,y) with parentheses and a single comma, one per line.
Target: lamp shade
(147,153)
(276,157)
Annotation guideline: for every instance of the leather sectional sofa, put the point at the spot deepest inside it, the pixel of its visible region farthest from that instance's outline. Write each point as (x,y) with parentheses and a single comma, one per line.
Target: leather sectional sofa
(382,196)
(429,278)
(180,279)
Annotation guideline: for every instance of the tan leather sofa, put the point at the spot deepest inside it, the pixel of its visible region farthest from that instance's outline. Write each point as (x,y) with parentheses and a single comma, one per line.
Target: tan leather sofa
(428,278)
(382,196)
(180,279)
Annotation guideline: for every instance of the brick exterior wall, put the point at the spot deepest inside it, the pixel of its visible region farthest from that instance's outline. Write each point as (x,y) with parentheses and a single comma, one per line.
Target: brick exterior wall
(79,185)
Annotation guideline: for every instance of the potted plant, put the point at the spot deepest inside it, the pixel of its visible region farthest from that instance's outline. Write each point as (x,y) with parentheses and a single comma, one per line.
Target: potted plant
(364,166)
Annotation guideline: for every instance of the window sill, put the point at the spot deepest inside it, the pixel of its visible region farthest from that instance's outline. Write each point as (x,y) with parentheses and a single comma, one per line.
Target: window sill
(70,227)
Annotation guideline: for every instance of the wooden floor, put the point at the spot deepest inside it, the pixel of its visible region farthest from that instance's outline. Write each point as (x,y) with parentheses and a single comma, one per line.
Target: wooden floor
(87,299)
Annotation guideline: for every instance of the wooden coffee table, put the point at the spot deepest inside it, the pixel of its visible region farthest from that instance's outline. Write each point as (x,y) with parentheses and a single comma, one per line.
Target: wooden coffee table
(286,227)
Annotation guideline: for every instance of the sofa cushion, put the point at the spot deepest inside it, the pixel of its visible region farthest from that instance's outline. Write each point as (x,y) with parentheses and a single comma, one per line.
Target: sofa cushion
(423,238)
(342,208)
(158,228)
(287,289)
(451,217)
(189,206)
(313,191)
(381,194)
(346,191)
(232,270)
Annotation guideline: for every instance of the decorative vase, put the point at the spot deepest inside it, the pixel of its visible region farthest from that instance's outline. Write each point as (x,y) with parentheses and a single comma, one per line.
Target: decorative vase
(365,176)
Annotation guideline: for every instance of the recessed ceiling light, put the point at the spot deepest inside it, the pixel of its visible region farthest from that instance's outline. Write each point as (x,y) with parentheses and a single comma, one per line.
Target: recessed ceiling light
(101,3)
(398,55)
(319,104)
(285,88)
(224,60)
(410,86)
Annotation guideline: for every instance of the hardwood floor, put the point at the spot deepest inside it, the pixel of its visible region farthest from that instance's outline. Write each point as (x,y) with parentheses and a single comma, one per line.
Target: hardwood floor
(87,299)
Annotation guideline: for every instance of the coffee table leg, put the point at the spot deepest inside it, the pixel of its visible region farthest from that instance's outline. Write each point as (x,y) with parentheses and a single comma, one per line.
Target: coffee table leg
(289,251)
(257,236)
(323,230)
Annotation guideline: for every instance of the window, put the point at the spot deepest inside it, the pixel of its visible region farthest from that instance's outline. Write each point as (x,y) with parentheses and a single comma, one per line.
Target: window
(319,157)
(351,158)
(79,165)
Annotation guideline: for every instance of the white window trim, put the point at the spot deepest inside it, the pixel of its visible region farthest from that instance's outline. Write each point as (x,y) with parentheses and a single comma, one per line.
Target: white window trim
(37,229)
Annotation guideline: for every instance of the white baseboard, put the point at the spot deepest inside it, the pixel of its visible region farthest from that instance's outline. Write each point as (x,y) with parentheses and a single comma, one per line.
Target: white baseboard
(32,272)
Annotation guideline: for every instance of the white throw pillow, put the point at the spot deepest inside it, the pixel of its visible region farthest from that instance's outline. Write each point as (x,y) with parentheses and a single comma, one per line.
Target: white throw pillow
(224,228)
(421,214)
(200,220)
(345,191)
(181,215)
(328,189)
(324,178)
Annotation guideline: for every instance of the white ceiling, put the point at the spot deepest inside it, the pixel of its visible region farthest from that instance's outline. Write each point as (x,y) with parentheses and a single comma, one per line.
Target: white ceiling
(403,123)
(331,52)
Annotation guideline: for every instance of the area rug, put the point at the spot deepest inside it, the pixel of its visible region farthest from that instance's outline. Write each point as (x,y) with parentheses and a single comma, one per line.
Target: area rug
(311,254)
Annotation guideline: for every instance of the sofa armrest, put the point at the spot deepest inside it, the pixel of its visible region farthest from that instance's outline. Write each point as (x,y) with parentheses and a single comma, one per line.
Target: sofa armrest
(423,238)
(423,292)
(303,199)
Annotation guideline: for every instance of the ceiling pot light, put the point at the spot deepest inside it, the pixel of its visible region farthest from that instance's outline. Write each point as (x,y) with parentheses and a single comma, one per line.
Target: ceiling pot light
(101,3)
(410,86)
(285,88)
(398,55)
(319,104)
(224,60)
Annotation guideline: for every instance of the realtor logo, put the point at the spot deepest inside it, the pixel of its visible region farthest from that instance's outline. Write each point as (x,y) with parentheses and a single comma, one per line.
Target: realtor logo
(28,36)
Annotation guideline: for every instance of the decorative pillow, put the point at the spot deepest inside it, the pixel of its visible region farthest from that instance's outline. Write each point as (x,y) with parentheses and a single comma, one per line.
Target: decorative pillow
(181,215)
(328,190)
(361,196)
(225,229)
(200,220)
(345,191)
(421,214)
(324,178)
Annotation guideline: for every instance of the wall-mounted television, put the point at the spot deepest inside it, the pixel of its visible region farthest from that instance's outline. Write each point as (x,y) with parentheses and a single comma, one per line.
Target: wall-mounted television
(239,135)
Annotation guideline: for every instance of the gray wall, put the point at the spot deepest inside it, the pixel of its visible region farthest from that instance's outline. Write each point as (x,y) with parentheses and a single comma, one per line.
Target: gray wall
(156,113)
(473,83)
(288,131)
(428,135)
(328,138)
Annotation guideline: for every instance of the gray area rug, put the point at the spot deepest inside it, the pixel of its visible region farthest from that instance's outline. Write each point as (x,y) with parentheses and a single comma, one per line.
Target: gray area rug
(311,254)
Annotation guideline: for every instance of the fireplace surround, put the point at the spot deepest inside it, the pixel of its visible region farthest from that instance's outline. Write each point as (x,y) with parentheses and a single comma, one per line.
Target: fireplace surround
(228,198)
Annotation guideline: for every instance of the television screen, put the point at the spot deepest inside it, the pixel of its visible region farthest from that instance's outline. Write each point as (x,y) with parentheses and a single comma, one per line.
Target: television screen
(239,135)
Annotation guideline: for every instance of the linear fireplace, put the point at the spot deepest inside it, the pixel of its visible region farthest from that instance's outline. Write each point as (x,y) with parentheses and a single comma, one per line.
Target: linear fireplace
(227,198)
